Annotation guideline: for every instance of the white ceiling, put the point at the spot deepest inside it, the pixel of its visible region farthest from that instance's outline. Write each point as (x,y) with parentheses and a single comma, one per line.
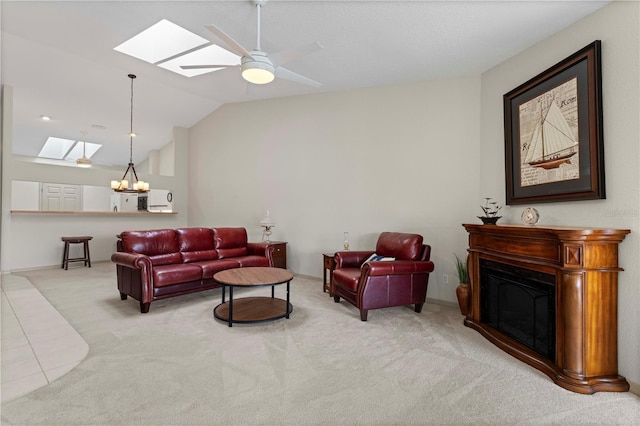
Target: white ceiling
(59,58)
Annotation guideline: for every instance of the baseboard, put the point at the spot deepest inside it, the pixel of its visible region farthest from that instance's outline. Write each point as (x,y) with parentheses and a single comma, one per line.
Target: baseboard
(634,388)
(442,302)
(307,277)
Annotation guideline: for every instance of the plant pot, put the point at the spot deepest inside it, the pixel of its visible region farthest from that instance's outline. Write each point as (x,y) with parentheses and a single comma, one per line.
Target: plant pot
(463,293)
(489,220)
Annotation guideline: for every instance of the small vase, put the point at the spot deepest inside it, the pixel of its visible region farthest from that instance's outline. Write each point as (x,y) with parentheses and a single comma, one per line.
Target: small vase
(463,293)
(489,220)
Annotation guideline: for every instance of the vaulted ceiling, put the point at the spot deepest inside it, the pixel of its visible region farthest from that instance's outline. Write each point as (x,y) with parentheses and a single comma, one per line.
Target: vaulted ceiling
(58,56)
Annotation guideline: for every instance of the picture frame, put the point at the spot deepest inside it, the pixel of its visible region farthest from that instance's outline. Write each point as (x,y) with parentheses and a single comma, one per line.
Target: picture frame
(553,133)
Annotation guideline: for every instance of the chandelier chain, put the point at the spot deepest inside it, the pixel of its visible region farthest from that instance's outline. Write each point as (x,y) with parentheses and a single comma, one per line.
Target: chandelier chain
(131,76)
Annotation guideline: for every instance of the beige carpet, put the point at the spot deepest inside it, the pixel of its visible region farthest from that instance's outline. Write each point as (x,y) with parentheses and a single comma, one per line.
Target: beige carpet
(177,365)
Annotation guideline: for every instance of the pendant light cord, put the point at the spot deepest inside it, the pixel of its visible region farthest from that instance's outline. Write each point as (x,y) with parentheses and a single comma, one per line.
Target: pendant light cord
(131,76)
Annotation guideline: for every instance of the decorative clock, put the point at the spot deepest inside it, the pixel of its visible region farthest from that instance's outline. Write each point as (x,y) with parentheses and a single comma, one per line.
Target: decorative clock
(530,216)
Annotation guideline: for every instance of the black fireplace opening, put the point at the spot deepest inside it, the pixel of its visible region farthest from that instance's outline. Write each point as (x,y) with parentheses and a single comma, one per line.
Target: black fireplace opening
(521,304)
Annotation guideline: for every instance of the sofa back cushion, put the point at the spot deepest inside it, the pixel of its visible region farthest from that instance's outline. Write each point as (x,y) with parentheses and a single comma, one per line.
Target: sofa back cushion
(399,245)
(196,244)
(161,245)
(230,242)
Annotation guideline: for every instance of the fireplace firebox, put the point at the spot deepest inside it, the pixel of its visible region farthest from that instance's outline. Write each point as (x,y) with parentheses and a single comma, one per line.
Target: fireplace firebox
(521,304)
(549,296)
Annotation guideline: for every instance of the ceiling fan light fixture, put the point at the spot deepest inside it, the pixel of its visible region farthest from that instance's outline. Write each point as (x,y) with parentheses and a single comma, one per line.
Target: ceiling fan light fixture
(83,162)
(257,69)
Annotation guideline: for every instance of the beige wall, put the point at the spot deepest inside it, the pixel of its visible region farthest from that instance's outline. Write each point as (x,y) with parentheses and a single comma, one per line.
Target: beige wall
(617,25)
(400,158)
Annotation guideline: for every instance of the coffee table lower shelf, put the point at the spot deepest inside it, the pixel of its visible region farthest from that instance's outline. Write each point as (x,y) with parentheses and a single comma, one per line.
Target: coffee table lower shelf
(253,309)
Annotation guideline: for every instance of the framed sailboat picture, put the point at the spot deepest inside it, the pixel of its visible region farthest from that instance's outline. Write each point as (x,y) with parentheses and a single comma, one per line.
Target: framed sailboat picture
(553,133)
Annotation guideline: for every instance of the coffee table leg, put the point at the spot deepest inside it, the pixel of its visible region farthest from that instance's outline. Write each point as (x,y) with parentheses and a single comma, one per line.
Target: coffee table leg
(287,307)
(230,306)
(273,291)
(224,288)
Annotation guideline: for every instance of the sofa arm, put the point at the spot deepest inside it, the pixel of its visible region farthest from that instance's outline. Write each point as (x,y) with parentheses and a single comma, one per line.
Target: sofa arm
(397,267)
(131,260)
(258,249)
(135,277)
(351,259)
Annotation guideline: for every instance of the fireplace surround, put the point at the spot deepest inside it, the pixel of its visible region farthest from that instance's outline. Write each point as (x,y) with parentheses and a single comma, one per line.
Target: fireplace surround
(567,275)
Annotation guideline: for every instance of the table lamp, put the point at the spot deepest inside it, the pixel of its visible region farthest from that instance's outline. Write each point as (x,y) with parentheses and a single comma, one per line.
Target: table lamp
(267,223)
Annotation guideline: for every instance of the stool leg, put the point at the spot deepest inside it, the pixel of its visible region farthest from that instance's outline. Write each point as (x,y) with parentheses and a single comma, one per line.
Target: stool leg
(65,256)
(87,256)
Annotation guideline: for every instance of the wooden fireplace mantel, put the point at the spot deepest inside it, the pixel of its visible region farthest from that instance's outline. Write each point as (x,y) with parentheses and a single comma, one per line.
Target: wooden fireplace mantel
(585,264)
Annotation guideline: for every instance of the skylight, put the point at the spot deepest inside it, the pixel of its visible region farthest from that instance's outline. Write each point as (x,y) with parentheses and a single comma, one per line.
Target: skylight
(56,148)
(170,46)
(67,149)
(161,41)
(76,151)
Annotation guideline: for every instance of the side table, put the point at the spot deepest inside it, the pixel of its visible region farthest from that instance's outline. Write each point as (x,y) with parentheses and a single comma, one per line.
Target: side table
(279,254)
(329,264)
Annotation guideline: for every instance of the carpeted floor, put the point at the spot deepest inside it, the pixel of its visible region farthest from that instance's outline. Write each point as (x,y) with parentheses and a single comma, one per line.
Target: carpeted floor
(177,365)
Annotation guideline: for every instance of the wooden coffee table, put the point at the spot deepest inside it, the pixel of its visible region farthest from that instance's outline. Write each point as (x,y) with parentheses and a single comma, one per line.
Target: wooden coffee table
(252,309)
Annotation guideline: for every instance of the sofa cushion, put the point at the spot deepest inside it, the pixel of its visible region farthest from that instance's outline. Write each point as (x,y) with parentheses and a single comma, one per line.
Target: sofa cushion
(211,267)
(229,238)
(196,256)
(196,244)
(252,261)
(165,275)
(232,252)
(166,259)
(160,245)
(399,245)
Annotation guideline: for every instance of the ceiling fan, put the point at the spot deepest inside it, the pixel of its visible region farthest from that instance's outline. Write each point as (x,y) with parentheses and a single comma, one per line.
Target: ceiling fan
(259,67)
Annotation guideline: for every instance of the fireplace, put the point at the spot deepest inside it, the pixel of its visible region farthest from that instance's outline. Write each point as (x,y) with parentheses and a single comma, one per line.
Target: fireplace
(521,304)
(548,295)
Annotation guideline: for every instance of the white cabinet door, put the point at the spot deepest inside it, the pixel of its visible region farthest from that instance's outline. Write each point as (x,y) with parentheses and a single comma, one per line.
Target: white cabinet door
(60,197)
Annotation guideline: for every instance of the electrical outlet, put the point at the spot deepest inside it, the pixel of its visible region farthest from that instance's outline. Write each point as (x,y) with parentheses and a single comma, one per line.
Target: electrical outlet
(445,279)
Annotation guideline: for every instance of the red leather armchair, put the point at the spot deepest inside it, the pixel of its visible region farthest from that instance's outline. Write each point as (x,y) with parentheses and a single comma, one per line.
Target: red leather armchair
(381,284)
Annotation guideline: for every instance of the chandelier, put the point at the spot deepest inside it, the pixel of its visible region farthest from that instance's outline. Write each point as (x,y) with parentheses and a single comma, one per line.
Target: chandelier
(122,185)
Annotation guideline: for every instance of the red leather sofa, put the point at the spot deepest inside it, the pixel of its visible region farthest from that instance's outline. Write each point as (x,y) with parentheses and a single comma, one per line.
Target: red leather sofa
(381,284)
(162,263)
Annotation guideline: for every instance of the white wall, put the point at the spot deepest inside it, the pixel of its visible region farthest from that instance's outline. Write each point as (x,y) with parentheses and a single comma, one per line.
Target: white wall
(399,158)
(25,195)
(96,198)
(617,25)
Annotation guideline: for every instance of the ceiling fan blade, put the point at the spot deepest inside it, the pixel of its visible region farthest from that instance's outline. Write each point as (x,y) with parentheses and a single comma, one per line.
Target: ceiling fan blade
(202,67)
(285,56)
(286,74)
(234,46)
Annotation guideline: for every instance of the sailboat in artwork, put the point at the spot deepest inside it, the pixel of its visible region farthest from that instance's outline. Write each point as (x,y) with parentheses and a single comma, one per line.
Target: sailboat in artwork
(552,143)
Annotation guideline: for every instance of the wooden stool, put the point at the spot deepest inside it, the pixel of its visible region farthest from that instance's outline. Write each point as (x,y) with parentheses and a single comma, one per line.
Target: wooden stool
(76,240)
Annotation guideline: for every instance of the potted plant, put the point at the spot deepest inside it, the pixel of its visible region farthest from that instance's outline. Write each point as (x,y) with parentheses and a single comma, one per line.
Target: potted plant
(490,210)
(463,291)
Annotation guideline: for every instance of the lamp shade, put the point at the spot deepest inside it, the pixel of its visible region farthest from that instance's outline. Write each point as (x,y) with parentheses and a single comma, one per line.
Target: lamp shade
(267,222)
(257,69)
